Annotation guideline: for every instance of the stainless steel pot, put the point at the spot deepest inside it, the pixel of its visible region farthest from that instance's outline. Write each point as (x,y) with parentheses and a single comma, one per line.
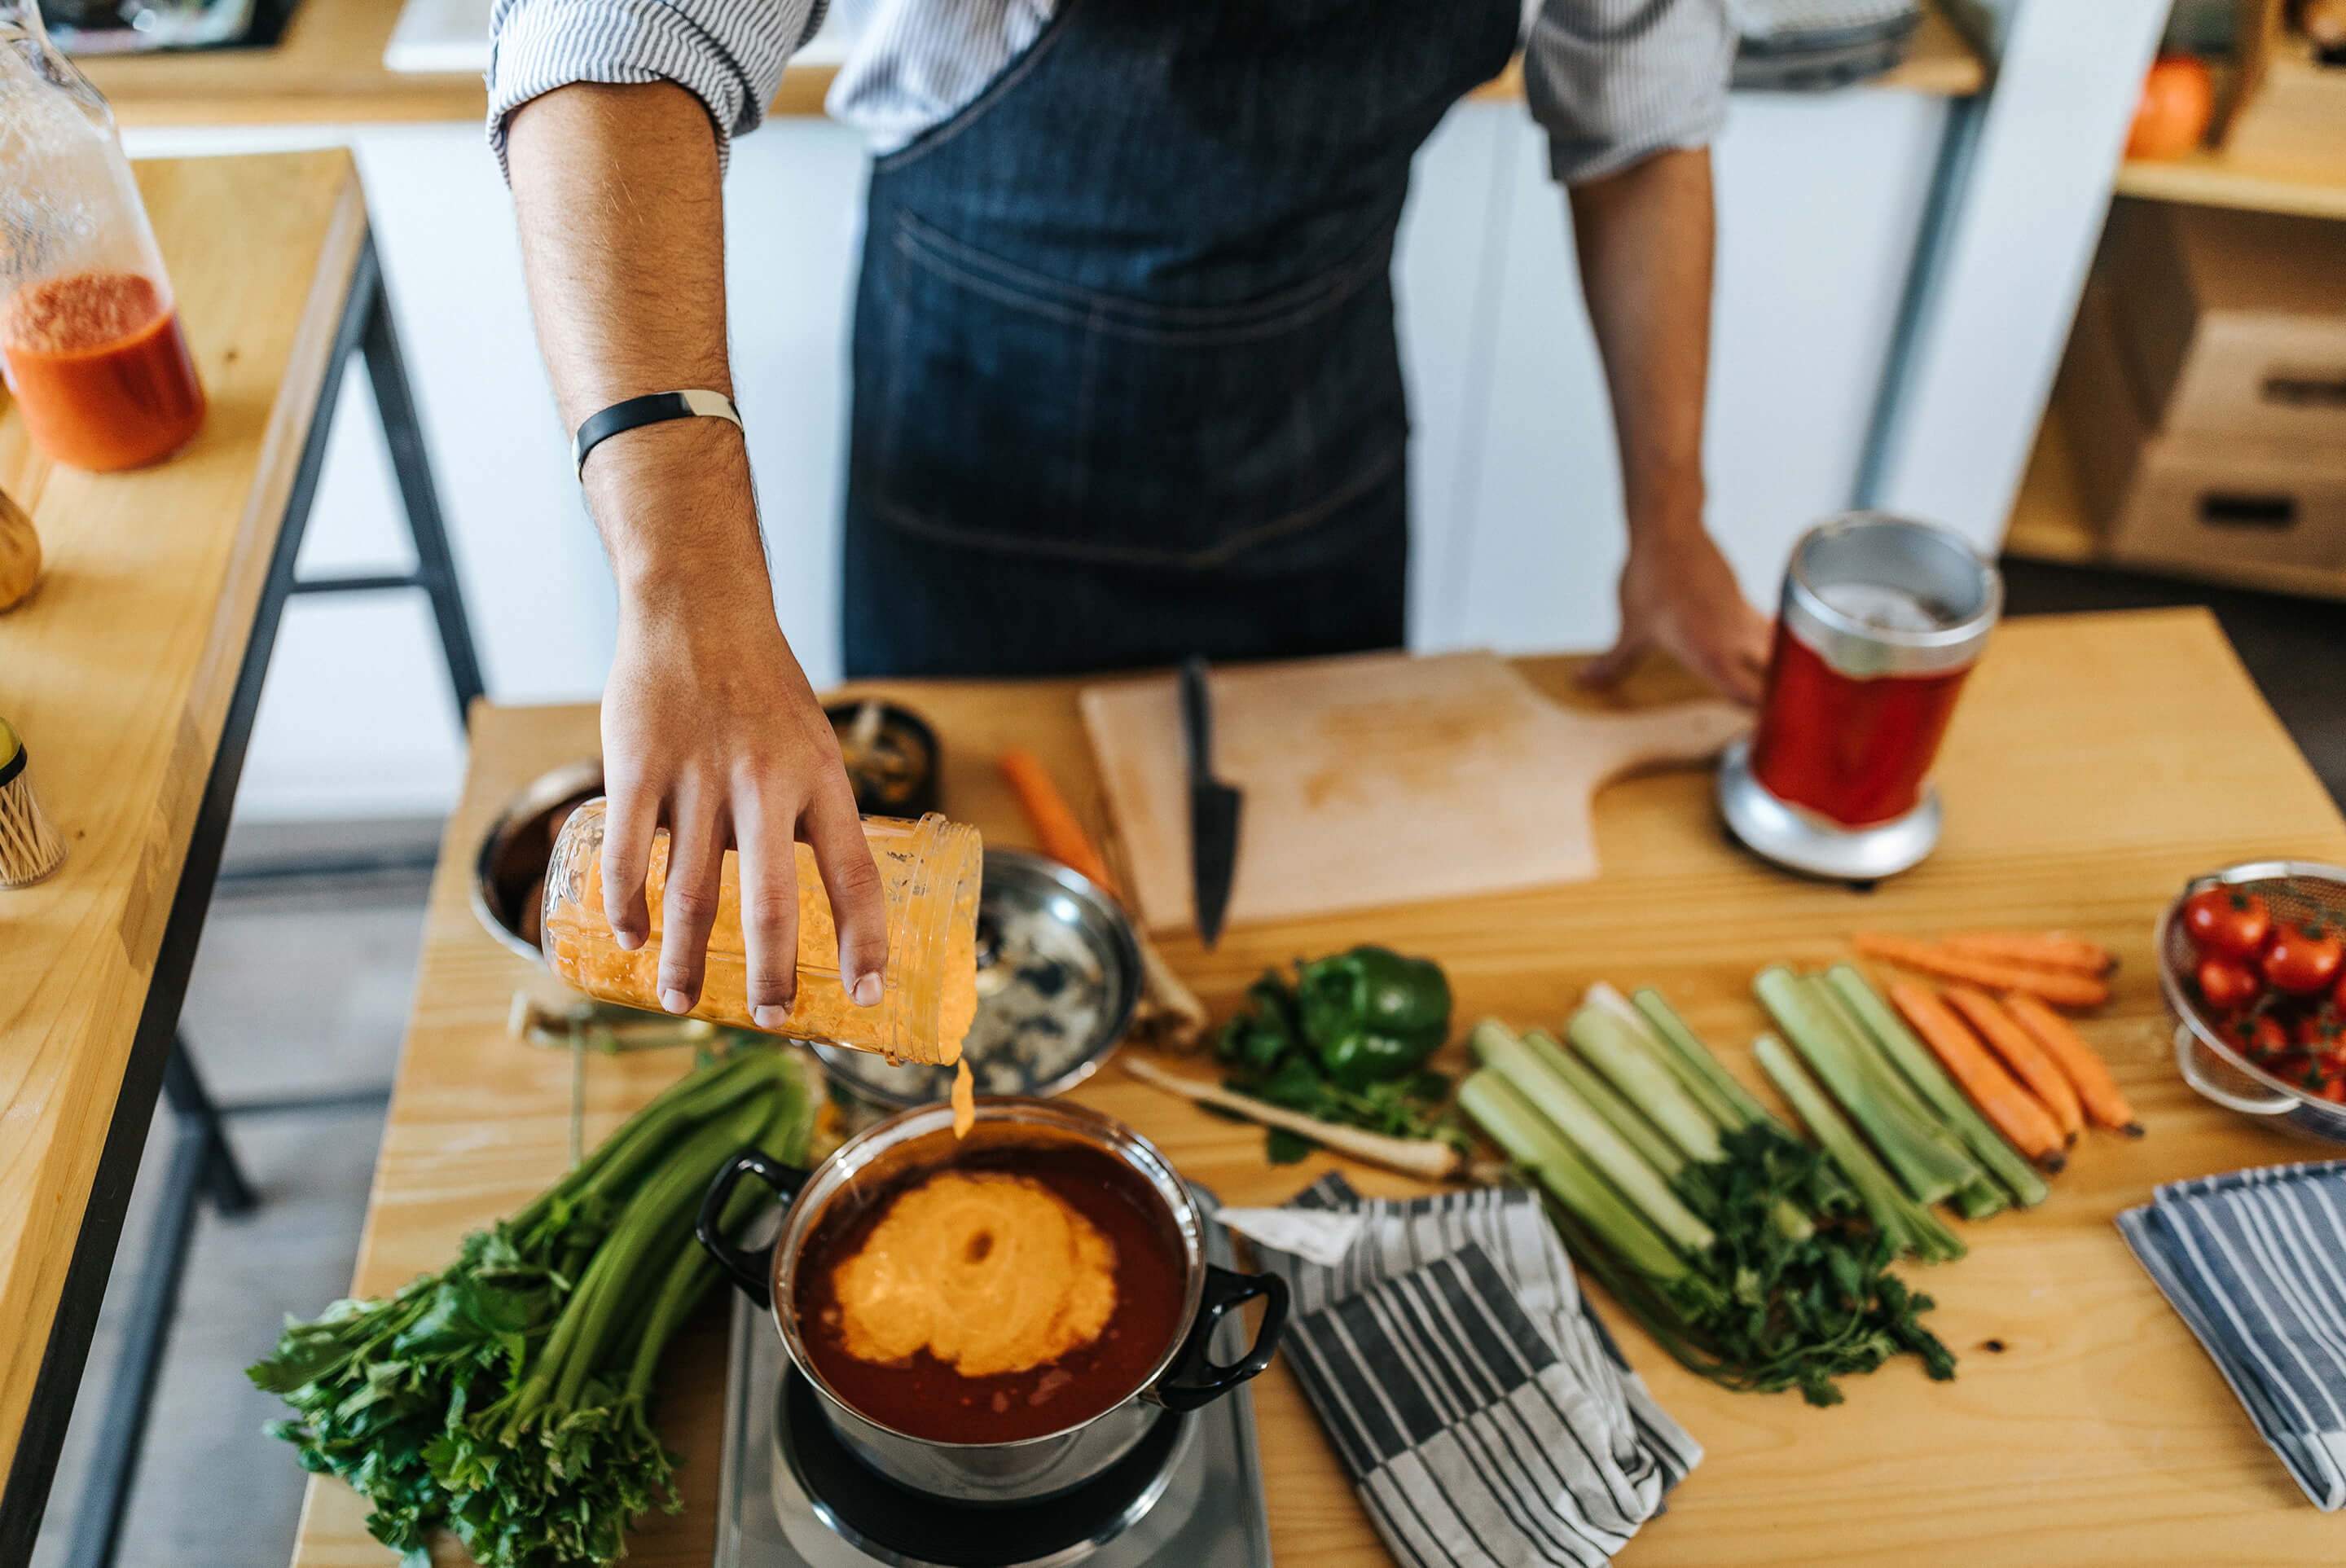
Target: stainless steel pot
(1183,1378)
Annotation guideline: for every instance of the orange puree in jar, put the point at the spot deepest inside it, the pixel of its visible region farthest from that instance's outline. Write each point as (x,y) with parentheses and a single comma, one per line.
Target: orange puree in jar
(101,370)
(928,875)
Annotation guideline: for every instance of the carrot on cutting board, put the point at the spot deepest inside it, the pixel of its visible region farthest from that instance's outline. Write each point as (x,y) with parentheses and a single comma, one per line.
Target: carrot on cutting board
(1063,836)
(2021,1053)
(2066,987)
(2019,1115)
(2085,1069)
(2036,950)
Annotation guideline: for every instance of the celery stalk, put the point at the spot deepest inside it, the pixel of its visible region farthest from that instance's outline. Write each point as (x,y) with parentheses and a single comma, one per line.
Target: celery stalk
(1723,1109)
(1516,1125)
(1619,1114)
(1581,1126)
(1830,1191)
(1931,1081)
(1929,1170)
(1911,1227)
(1613,1050)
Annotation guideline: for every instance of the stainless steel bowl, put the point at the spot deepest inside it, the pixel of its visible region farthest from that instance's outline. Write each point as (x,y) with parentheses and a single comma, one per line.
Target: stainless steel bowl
(1058,978)
(2295,890)
(511,864)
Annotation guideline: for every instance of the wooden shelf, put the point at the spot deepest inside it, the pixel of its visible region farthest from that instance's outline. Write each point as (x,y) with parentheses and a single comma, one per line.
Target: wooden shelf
(2311,190)
(2049,523)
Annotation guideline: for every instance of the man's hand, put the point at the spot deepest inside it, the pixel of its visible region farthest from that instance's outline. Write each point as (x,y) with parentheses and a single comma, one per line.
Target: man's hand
(1679,596)
(1643,239)
(709,727)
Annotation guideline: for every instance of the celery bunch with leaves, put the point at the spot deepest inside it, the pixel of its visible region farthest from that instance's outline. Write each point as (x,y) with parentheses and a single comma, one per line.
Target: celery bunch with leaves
(1747,1253)
(506,1398)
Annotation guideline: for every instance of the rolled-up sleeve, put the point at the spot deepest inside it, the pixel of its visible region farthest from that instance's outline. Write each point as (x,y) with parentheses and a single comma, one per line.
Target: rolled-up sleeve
(1613,81)
(727,53)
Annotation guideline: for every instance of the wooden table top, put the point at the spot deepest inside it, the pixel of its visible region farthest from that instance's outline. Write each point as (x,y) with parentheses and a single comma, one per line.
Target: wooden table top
(328,69)
(2097,762)
(118,672)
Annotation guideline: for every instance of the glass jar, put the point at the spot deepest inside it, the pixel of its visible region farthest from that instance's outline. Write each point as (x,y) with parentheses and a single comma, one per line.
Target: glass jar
(90,334)
(929,873)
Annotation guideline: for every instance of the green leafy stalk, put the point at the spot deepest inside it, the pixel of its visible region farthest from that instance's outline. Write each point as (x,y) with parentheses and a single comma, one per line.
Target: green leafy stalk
(1828,1192)
(1614,1047)
(1910,1227)
(499,1398)
(1888,1032)
(1929,1168)
(1500,1050)
(1619,1114)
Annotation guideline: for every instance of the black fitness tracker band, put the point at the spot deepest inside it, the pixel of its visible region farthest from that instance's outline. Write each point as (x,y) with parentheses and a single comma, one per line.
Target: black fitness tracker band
(654,409)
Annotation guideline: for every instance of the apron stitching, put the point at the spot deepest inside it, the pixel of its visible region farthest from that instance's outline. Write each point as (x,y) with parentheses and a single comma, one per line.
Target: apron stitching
(913,235)
(1339,285)
(1018,70)
(1219,554)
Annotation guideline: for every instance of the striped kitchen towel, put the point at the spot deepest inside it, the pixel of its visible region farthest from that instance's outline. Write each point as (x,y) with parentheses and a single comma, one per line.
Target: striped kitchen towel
(2255,1262)
(1487,1416)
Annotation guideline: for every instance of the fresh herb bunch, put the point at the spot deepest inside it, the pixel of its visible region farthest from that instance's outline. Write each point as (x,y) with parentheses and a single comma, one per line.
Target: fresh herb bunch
(1346,1044)
(506,1398)
(1756,1258)
(1779,1312)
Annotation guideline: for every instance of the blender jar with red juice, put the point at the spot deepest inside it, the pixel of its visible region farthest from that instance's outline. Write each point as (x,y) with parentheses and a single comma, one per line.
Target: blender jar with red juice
(89,337)
(1881,620)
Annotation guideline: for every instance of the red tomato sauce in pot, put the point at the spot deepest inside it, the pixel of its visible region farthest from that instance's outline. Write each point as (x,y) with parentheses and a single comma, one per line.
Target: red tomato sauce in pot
(925,1397)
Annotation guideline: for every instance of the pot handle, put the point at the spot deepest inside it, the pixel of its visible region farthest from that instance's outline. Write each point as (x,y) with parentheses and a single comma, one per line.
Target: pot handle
(750,1266)
(1200,1380)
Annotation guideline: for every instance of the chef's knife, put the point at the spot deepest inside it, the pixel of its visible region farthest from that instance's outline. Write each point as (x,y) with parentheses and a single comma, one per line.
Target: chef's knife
(1213,807)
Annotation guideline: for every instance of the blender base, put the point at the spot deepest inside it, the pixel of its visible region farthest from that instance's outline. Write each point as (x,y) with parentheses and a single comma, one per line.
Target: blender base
(1800,840)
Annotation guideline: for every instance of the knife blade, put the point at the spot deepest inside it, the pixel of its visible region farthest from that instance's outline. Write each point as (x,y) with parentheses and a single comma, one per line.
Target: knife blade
(1213,807)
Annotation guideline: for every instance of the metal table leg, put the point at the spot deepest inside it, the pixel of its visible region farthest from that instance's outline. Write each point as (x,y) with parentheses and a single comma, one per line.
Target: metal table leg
(202,1165)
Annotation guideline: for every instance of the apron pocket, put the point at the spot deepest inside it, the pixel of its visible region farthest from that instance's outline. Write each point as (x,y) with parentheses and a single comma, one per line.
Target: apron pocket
(1010,411)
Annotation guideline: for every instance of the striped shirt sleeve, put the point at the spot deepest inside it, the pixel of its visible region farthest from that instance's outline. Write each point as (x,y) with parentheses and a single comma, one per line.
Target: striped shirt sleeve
(727,53)
(1613,81)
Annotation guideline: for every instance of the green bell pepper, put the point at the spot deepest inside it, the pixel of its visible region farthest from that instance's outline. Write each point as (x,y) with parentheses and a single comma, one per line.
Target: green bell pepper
(1372,1014)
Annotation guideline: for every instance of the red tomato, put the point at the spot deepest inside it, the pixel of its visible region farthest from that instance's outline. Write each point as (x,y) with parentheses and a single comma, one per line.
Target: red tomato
(2338,997)
(2226,922)
(2302,960)
(2227,987)
(2259,1038)
(2316,1033)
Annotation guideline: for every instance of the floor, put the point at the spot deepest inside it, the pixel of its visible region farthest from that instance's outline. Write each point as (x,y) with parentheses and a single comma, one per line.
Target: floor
(300,990)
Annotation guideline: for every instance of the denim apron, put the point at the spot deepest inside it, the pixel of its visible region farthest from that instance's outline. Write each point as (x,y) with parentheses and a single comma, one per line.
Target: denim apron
(1126,383)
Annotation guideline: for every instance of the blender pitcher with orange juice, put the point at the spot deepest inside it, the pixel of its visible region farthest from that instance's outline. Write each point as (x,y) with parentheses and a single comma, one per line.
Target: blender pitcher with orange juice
(89,336)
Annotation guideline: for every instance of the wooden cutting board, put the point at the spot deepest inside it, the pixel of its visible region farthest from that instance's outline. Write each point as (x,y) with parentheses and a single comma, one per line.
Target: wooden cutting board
(1376,779)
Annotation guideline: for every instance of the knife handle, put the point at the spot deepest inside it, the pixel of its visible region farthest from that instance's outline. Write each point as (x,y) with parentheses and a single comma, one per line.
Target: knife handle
(1198,719)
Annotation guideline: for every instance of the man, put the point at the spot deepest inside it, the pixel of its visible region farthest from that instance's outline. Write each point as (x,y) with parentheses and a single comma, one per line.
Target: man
(1126,383)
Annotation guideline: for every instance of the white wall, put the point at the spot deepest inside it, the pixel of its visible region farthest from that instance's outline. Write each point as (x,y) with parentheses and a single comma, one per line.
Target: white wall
(1514,484)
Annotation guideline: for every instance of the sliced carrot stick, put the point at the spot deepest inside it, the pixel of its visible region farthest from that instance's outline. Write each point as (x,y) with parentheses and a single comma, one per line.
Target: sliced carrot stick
(1063,836)
(2066,987)
(2085,1069)
(2021,1053)
(2022,1120)
(2037,950)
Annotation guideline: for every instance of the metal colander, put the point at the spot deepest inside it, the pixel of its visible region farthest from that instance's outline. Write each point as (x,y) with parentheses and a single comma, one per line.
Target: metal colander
(2298,893)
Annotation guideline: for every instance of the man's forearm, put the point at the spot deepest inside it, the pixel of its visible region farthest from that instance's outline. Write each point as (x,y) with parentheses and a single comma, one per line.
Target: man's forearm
(617,189)
(1644,238)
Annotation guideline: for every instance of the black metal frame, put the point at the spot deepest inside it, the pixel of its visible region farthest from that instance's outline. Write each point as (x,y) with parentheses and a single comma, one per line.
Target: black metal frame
(202,1164)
